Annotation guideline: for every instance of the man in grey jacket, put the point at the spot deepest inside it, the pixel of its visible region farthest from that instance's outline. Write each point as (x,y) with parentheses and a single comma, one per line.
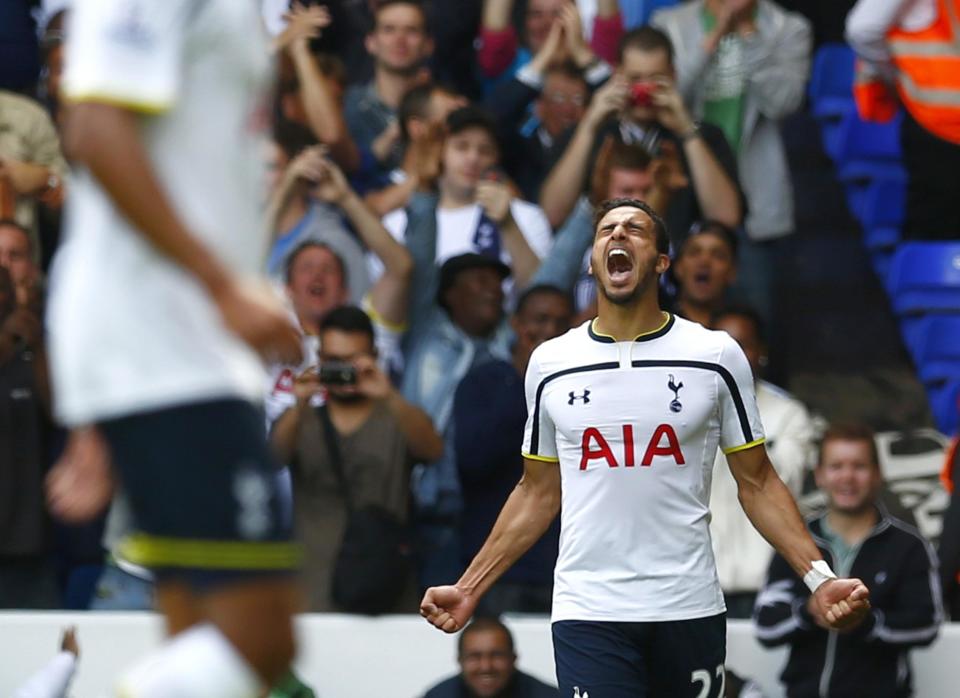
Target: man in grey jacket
(742,65)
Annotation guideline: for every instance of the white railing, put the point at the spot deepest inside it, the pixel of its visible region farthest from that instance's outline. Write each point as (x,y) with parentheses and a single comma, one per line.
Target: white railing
(389,657)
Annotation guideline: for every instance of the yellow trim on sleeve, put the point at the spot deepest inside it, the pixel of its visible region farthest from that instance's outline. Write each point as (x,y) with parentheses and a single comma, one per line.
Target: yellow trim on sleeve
(155,551)
(542,459)
(378,319)
(736,449)
(150,108)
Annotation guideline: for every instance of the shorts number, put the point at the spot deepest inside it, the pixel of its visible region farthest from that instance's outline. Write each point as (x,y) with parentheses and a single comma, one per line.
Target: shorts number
(702,677)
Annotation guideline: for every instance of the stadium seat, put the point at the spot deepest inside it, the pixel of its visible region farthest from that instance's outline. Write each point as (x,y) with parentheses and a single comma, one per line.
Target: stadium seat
(868,141)
(884,202)
(831,81)
(924,279)
(938,349)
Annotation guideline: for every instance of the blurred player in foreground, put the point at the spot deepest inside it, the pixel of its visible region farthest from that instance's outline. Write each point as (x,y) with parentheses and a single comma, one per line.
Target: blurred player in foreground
(156,328)
(625,416)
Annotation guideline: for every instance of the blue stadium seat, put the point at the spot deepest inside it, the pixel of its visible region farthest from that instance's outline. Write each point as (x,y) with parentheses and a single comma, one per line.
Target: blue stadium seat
(938,349)
(924,279)
(637,12)
(870,141)
(884,204)
(831,80)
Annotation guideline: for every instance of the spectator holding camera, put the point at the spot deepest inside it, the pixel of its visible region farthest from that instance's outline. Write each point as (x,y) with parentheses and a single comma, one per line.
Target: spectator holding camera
(320,261)
(377,435)
(641,104)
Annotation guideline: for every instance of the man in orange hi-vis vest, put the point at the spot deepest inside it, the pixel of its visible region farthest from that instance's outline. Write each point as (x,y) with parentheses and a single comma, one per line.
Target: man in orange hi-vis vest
(909,53)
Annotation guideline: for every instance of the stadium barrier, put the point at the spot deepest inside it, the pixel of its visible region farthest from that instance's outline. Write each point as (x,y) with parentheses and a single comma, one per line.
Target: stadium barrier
(388,657)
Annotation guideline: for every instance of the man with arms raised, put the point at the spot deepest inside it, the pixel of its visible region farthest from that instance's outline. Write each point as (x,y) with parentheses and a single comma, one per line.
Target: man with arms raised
(637,608)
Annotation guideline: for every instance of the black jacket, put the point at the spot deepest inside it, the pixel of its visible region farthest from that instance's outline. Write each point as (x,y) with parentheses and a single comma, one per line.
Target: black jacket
(900,569)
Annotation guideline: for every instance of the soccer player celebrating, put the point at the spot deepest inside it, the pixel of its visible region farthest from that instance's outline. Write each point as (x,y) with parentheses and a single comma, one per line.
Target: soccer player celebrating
(156,331)
(625,416)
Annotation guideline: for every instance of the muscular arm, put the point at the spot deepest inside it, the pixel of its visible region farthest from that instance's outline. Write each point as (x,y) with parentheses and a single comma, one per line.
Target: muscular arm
(525,516)
(771,508)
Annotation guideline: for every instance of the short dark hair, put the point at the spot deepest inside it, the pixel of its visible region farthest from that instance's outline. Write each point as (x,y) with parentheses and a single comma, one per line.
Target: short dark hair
(291,258)
(481,623)
(742,310)
(645,38)
(292,138)
(349,318)
(473,117)
(660,228)
(708,226)
(414,104)
(850,431)
(568,69)
(542,290)
(615,154)
(418,4)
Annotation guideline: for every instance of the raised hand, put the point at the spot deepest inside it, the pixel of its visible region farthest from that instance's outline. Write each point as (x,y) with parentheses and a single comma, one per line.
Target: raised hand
(447,608)
(840,604)
(494,198)
(331,185)
(671,112)
(303,24)
(574,42)
(550,51)
(610,98)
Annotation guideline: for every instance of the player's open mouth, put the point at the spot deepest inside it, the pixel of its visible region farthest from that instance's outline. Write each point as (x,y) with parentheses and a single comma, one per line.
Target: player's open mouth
(317,291)
(619,265)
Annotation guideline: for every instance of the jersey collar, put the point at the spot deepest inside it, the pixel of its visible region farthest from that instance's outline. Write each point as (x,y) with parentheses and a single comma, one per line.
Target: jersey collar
(645,337)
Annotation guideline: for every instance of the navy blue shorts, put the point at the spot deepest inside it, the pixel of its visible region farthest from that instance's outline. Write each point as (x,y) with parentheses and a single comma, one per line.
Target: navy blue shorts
(202,488)
(667,659)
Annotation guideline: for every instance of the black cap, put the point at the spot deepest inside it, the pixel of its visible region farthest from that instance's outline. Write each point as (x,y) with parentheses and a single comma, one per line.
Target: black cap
(471,260)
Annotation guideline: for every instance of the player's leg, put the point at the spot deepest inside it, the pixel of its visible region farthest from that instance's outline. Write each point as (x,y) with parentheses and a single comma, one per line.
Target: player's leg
(599,659)
(685,658)
(202,491)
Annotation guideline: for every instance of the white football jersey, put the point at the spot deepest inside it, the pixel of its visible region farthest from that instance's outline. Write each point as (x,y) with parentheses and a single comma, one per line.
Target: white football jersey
(635,428)
(130,330)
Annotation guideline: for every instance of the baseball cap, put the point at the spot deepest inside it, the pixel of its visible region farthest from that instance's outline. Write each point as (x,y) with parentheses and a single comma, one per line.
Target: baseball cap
(470,260)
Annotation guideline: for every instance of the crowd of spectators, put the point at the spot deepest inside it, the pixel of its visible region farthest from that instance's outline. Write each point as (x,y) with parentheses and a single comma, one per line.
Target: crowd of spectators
(429,182)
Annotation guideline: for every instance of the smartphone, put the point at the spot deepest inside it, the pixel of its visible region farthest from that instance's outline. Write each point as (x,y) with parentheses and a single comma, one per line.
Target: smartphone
(338,373)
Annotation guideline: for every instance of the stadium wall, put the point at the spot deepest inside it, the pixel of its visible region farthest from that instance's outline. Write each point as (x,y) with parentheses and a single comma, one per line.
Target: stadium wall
(356,657)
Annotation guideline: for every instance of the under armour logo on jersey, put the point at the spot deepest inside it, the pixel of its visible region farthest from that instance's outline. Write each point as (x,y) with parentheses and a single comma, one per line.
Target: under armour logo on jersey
(574,397)
(675,405)
(577,694)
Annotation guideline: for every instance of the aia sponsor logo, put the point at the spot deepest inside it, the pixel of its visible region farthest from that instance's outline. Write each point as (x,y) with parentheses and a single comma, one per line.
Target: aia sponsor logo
(662,442)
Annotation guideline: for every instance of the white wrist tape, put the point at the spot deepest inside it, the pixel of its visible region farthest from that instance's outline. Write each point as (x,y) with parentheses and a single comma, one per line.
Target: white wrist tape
(819,573)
